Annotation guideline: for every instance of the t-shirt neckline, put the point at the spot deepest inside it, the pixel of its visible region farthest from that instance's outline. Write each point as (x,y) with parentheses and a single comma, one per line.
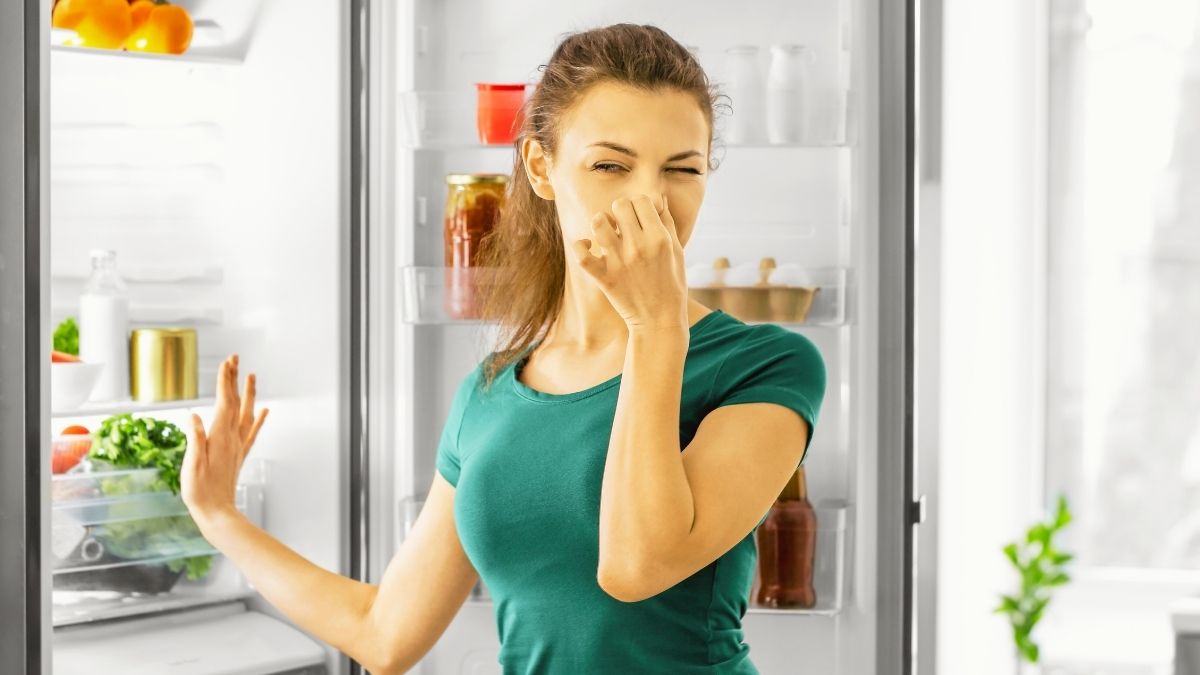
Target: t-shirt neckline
(525,391)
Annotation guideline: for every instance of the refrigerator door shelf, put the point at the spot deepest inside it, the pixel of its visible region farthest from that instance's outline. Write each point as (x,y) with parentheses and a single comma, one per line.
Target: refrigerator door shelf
(446,120)
(830,565)
(446,295)
(219,640)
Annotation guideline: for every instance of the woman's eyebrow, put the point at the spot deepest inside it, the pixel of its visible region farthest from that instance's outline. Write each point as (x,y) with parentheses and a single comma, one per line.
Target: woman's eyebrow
(622,149)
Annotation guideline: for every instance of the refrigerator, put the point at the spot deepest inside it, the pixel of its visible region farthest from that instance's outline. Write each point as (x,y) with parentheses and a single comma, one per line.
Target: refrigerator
(279,188)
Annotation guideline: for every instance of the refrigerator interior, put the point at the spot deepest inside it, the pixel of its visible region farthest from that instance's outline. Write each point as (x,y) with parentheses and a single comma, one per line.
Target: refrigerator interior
(220,179)
(813,203)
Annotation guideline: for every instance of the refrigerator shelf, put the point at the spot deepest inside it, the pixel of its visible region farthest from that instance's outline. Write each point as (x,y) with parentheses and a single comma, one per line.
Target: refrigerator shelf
(106,408)
(444,295)
(208,46)
(445,120)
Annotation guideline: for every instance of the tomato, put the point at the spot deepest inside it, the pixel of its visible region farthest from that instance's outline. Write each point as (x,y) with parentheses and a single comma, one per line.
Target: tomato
(75,429)
(62,357)
(68,452)
(167,29)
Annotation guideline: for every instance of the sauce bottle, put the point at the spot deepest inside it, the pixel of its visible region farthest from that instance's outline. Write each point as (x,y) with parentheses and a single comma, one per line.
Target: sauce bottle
(787,542)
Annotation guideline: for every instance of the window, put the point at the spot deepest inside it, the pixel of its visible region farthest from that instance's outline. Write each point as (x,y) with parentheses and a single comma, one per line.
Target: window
(1123,285)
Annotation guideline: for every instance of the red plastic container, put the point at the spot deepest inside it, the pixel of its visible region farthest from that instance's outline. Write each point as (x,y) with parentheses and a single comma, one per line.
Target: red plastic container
(499,111)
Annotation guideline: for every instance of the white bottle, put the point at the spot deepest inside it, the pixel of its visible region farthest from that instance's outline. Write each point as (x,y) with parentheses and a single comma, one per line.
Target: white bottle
(744,85)
(104,327)
(787,93)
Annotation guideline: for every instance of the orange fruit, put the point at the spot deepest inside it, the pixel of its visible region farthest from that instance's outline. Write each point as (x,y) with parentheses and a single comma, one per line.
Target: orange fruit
(139,11)
(68,13)
(166,30)
(105,23)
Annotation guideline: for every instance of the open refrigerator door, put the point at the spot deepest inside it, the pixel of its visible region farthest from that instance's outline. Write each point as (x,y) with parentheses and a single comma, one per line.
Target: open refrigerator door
(217,177)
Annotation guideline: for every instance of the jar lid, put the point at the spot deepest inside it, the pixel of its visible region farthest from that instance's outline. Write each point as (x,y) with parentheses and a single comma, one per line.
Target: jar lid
(503,86)
(469,178)
(167,332)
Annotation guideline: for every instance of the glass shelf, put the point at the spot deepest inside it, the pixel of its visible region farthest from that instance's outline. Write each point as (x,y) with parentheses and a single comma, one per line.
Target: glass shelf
(444,295)
(132,407)
(445,120)
(208,46)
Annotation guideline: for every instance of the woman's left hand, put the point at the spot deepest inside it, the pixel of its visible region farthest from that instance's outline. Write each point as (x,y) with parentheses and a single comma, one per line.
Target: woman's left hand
(641,268)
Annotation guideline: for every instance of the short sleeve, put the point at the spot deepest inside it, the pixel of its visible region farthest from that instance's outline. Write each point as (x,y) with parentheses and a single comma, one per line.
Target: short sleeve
(449,462)
(774,365)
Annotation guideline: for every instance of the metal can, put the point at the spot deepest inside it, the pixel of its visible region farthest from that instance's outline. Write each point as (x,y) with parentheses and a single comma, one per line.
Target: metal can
(473,204)
(163,364)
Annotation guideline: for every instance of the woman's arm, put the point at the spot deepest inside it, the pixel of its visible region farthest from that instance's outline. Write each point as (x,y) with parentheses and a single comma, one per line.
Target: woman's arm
(387,628)
(645,500)
(331,607)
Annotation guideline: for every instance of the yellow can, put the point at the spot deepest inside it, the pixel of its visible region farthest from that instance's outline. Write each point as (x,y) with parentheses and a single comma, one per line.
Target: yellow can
(163,364)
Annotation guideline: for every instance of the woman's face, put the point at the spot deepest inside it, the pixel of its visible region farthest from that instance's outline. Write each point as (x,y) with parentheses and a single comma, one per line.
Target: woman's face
(616,142)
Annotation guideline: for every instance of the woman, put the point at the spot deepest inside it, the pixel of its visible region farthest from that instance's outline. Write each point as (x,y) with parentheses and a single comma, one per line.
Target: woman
(605,470)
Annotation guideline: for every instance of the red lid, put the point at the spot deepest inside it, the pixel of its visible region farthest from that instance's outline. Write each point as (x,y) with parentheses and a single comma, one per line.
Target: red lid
(496,85)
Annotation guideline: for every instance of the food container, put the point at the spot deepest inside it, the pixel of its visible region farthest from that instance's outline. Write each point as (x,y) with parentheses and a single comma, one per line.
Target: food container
(72,383)
(499,116)
(788,298)
(163,364)
(473,204)
(745,292)
(123,530)
(704,282)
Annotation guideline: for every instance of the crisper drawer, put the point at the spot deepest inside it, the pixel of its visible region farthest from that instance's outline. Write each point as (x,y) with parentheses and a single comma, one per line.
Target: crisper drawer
(122,535)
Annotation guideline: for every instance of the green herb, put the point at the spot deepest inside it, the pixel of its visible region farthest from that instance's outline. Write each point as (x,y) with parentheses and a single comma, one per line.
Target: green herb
(66,337)
(1041,568)
(142,443)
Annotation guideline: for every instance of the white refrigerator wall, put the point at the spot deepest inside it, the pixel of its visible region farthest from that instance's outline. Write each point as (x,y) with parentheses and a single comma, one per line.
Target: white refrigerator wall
(816,206)
(227,182)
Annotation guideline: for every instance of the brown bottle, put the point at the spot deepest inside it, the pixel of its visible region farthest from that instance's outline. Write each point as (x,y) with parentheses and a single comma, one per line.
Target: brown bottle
(787,542)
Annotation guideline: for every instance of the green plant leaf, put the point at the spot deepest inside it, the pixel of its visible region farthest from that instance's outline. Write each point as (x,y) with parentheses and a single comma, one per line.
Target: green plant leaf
(1010,552)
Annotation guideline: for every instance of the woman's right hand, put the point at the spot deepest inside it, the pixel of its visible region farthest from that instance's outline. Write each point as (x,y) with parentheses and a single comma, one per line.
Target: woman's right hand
(213,460)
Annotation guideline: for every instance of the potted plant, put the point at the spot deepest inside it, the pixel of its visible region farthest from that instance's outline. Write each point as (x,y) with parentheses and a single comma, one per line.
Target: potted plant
(1041,568)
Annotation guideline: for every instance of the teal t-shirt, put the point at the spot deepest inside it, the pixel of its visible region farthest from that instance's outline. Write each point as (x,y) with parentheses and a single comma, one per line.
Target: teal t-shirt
(527,467)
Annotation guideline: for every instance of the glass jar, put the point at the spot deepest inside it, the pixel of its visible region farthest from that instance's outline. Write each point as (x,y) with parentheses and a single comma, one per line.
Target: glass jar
(744,84)
(787,93)
(473,204)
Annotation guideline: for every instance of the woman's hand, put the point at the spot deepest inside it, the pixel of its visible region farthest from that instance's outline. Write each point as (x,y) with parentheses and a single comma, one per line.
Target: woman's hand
(213,460)
(641,267)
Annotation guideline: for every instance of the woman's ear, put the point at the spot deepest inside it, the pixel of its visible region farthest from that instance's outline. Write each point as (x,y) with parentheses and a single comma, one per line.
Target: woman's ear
(537,168)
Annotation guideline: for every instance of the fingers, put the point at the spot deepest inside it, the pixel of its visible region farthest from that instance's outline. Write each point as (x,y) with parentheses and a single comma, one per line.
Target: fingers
(668,221)
(249,442)
(632,231)
(604,233)
(200,446)
(590,263)
(246,414)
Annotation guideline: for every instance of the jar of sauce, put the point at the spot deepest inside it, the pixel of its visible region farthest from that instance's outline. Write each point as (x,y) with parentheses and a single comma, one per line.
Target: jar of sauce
(473,203)
(787,544)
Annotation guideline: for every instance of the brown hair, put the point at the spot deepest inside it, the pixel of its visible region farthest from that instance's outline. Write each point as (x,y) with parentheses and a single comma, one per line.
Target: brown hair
(525,248)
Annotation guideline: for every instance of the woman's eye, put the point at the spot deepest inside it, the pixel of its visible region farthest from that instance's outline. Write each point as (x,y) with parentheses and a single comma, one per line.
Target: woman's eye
(602,168)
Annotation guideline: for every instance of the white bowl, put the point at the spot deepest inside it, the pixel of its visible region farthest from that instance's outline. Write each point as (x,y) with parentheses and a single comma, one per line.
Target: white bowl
(72,383)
